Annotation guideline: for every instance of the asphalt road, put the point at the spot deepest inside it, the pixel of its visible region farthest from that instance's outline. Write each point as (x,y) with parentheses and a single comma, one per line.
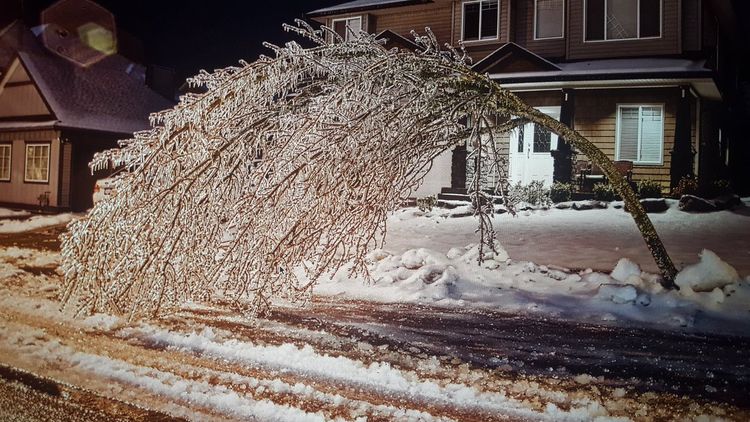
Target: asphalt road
(699,366)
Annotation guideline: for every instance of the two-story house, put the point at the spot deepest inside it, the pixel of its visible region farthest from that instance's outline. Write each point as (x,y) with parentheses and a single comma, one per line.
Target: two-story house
(639,78)
(55,115)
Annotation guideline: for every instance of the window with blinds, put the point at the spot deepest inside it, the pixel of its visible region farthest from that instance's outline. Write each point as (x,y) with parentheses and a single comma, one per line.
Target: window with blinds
(640,134)
(5,161)
(37,163)
(548,19)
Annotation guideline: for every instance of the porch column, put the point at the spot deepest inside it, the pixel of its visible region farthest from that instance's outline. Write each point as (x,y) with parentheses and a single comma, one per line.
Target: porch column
(458,167)
(563,155)
(682,152)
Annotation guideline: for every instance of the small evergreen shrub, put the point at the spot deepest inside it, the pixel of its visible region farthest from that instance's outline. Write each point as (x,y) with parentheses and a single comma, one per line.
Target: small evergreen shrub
(534,194)
(686,186)
(605,192)
(649,189)
(427,203)
(722,187)
(561,192)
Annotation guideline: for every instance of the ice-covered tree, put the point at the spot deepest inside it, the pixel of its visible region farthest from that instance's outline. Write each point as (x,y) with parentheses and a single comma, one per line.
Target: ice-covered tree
(286,169)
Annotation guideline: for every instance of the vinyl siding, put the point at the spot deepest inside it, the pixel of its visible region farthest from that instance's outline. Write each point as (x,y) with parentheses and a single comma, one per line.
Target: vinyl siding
(19,192)
(667,44)
(596,119)
(478,50)
(523,18)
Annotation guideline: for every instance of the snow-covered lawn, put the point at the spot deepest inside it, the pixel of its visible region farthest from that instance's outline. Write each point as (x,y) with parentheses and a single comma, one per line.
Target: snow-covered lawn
(31,223)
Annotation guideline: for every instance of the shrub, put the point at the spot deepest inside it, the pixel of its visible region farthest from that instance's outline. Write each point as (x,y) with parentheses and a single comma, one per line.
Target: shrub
(605,192)
(425,204)
(649,189)
(534,194)
(721,187)
(561,192)
(686,186)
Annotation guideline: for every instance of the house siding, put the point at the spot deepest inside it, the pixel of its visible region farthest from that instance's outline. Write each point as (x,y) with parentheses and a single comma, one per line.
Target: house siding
(668,44)
(24,193)
(523,17)
(691,18)
(478,50)
(596,119)
(402,20)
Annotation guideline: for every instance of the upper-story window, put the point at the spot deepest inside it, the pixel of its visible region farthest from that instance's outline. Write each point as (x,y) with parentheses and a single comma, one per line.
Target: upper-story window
(480,19)
(549,17)
(348,28)
(622,19)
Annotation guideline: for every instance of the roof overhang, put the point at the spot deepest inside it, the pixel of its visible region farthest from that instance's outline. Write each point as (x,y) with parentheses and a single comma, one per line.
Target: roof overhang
(704,87)
(8,126)
(361,6)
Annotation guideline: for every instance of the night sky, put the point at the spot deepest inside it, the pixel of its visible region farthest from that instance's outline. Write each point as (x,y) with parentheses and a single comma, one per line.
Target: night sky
(189,35)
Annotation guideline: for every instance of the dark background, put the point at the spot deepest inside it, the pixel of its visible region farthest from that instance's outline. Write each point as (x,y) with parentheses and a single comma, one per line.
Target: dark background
(188,35)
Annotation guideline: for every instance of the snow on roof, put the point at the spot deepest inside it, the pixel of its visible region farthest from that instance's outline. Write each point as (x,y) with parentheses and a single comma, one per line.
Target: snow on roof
(358,5)
(618,68)
(109,96)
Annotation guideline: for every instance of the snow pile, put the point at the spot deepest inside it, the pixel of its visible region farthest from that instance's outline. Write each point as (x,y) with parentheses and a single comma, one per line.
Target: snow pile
(6,213)
(34,223)
(454,279)
(708,274)
(384,377)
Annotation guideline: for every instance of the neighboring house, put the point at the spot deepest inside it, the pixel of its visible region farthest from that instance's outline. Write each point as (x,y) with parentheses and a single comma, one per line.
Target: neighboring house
(639,78)
(55,115)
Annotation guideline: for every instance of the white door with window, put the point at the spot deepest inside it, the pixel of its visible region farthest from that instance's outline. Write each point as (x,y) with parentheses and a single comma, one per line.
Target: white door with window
(530,146)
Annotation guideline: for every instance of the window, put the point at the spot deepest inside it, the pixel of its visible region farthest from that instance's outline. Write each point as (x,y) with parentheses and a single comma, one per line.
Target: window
(548,19)
(622,19)
(480,19)
(348,28)
(5,156)
(37,163)
(640,134)
(542,139)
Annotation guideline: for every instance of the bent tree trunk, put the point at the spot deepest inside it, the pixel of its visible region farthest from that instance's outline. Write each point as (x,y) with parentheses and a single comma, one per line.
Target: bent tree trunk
(642,221)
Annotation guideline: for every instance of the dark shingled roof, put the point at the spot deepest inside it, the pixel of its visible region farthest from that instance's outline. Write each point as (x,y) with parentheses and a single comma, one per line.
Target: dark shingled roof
(360,5)
(109,96)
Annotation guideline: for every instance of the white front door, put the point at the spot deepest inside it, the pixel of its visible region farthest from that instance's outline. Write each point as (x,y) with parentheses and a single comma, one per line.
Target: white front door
(530,147)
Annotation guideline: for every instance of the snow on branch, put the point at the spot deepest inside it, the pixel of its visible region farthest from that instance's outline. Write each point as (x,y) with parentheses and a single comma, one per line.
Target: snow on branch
(284,170)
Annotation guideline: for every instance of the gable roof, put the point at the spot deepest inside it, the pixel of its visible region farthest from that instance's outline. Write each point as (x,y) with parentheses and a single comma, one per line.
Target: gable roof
(108,96)
(396,40)
(361,5)
(511,57)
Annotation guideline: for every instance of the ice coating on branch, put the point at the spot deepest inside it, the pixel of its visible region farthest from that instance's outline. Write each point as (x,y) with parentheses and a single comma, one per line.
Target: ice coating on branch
(285,169)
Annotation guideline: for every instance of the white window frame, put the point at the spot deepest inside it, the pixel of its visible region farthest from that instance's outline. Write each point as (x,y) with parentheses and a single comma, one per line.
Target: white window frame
(638,24)
(48,145)
(348,32)
(618,126)
(9,146)
(480,39)
(562,30)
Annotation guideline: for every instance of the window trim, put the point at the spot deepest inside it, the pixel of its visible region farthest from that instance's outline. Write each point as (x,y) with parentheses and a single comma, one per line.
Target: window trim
(480,39)
(638,24)
(10,161)
(48,144)
(348,32)
(562,30)
(618,125)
